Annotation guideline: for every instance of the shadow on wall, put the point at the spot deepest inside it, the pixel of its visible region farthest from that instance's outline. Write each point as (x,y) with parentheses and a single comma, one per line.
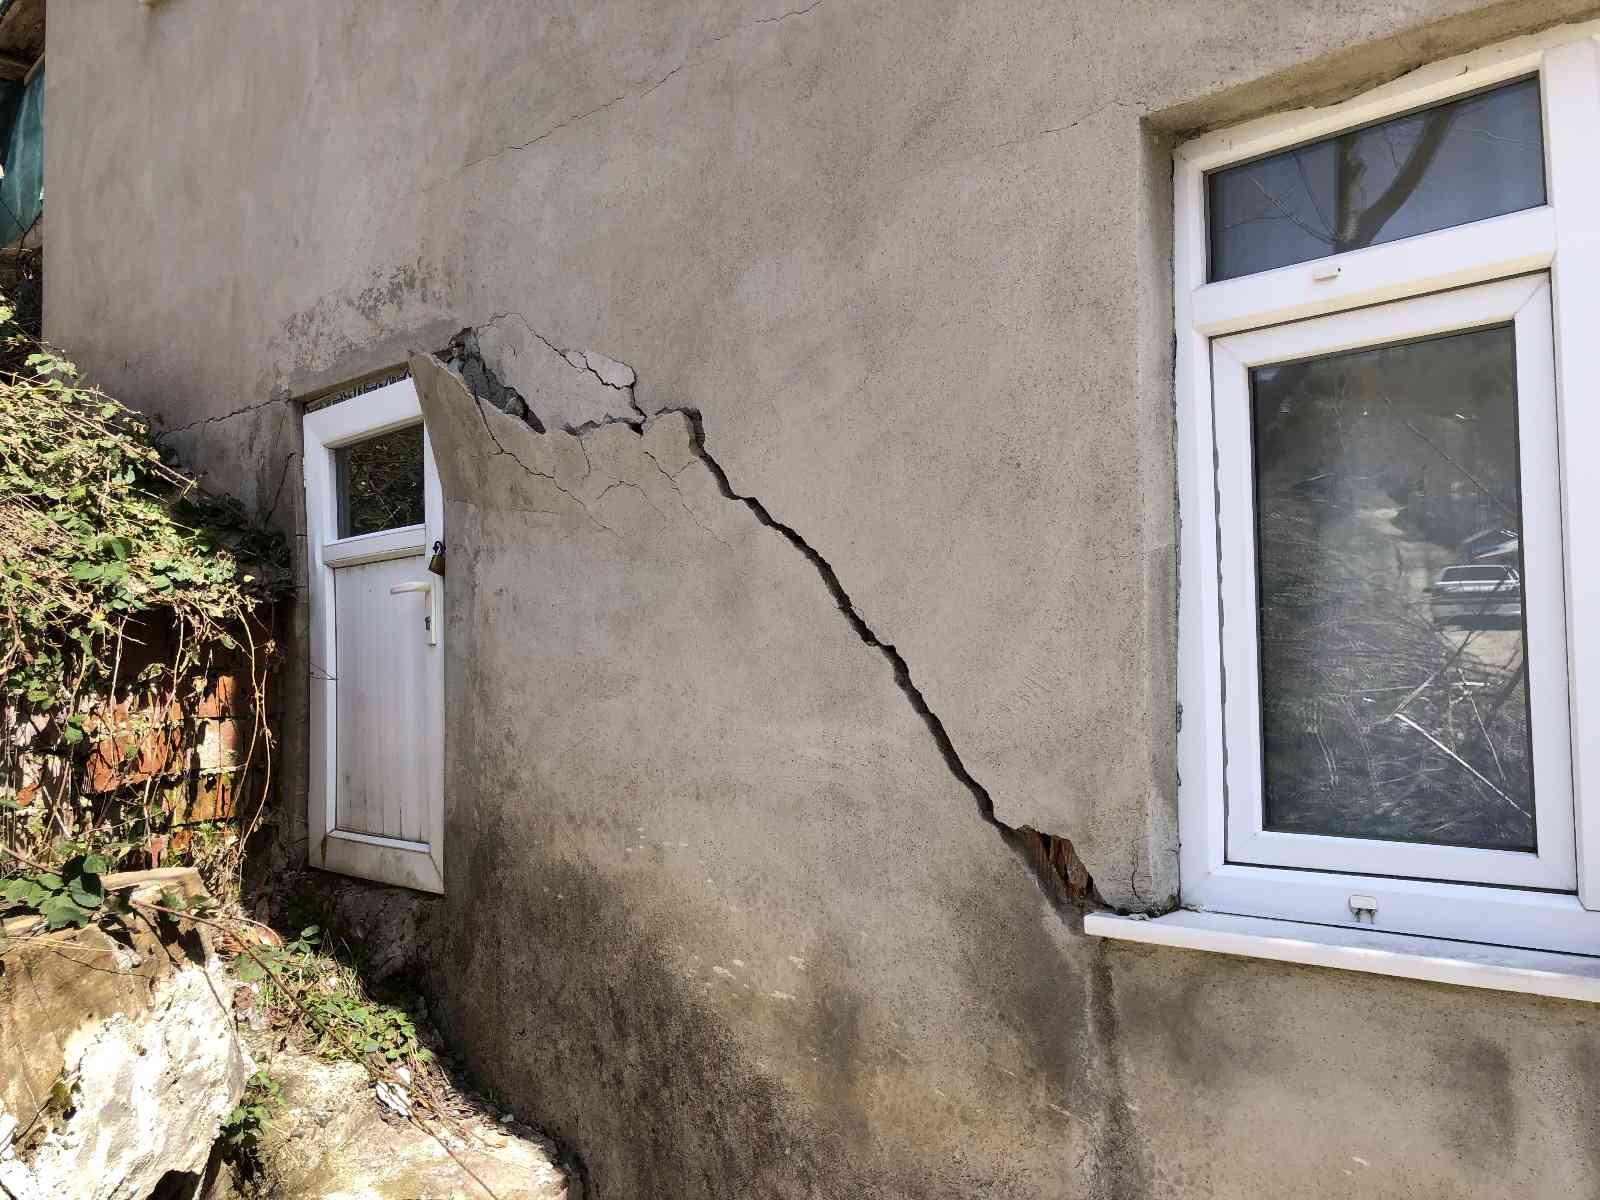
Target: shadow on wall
(568,1012)
(591,1006)
(587,1024)
(565,999)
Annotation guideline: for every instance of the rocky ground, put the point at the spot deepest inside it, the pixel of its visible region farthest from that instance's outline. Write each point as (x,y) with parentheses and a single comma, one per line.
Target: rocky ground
(139,1063)
(333,1138)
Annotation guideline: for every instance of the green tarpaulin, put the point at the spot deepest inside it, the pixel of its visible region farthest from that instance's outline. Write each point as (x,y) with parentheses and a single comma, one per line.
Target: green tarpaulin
(22,128)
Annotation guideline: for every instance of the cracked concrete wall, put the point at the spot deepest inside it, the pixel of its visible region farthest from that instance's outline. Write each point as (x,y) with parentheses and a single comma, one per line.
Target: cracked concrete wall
(702,1004)
(869,243)
(729,912)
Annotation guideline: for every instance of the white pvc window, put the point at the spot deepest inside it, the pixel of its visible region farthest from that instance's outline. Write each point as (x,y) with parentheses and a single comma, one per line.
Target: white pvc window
(1400,706)
(1388,403)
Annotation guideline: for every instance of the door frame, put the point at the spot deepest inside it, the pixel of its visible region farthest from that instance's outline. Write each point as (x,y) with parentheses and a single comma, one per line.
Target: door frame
(418,865)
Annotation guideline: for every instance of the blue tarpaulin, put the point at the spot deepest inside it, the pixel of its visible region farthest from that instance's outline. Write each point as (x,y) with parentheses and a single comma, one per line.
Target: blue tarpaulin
(22,127)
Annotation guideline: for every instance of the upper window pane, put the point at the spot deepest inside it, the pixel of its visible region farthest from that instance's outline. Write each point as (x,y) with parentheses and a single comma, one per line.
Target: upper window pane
(1473,158)
(379,482)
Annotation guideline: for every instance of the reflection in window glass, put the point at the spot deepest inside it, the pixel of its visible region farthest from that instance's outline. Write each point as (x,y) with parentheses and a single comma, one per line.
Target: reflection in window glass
(1394,699)
(1481,156)
(379,482)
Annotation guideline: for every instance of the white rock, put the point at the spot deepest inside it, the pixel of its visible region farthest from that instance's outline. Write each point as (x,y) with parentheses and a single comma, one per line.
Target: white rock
(148,1094)
(394,1098)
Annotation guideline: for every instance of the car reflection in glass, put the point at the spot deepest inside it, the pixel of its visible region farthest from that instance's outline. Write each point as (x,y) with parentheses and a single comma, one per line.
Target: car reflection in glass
(1476,594)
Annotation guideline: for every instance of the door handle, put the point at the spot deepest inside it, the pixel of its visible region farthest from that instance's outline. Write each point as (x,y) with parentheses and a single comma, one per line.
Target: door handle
(430,619)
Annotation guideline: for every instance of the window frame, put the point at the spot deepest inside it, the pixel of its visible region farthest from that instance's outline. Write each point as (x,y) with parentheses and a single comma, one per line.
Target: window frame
(1523,303)
(1560,240)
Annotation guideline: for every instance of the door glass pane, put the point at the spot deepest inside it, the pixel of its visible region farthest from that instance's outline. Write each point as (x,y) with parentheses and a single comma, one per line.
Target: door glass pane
(379,482)
(1393,656)
(1477,157)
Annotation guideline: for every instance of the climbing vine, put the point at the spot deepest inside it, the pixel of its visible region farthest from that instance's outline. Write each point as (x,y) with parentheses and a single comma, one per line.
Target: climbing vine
(129,601)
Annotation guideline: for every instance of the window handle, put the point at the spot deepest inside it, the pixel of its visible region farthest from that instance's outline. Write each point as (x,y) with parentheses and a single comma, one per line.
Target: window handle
(429,618)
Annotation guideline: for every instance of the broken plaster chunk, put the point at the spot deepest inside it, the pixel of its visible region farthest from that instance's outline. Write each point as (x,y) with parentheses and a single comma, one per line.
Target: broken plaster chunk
(558,387)
(669,439)
(612,373)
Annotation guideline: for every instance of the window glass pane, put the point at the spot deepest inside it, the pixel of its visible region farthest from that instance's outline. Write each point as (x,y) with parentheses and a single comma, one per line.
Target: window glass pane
(379,483)
(1393,657)
(1473,158)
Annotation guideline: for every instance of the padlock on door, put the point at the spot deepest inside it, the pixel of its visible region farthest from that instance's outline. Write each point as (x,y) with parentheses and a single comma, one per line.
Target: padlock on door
(436,562)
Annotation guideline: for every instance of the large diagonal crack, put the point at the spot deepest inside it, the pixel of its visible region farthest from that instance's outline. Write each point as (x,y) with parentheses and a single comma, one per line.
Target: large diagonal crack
(841,597)
(1052,858)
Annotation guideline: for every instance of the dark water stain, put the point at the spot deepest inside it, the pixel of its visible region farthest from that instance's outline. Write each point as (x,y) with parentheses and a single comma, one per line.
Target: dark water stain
(837,1031)
(1478,1114)
(1181,1020)
(1123,1166)
(1585,1059)
(568,1011)
(1015,971)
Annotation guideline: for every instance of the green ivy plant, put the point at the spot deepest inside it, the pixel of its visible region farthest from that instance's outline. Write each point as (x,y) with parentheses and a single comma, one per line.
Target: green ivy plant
(95,532)
(73,895)
(329,1000)
(103,541)
(242,1128)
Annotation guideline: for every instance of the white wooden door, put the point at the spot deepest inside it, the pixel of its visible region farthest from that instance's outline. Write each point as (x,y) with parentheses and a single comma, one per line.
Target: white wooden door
(373,515)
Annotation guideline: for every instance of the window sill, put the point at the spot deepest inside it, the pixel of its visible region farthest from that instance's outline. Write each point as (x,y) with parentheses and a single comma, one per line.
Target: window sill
(1466,964)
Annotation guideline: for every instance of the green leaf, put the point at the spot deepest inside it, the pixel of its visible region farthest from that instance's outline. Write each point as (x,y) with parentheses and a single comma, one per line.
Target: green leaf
(88,898)
(60,911)
(248,970)
(86,890)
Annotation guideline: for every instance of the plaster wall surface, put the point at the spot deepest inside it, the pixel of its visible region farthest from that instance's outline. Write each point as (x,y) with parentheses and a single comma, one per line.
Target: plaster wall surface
(722,913)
